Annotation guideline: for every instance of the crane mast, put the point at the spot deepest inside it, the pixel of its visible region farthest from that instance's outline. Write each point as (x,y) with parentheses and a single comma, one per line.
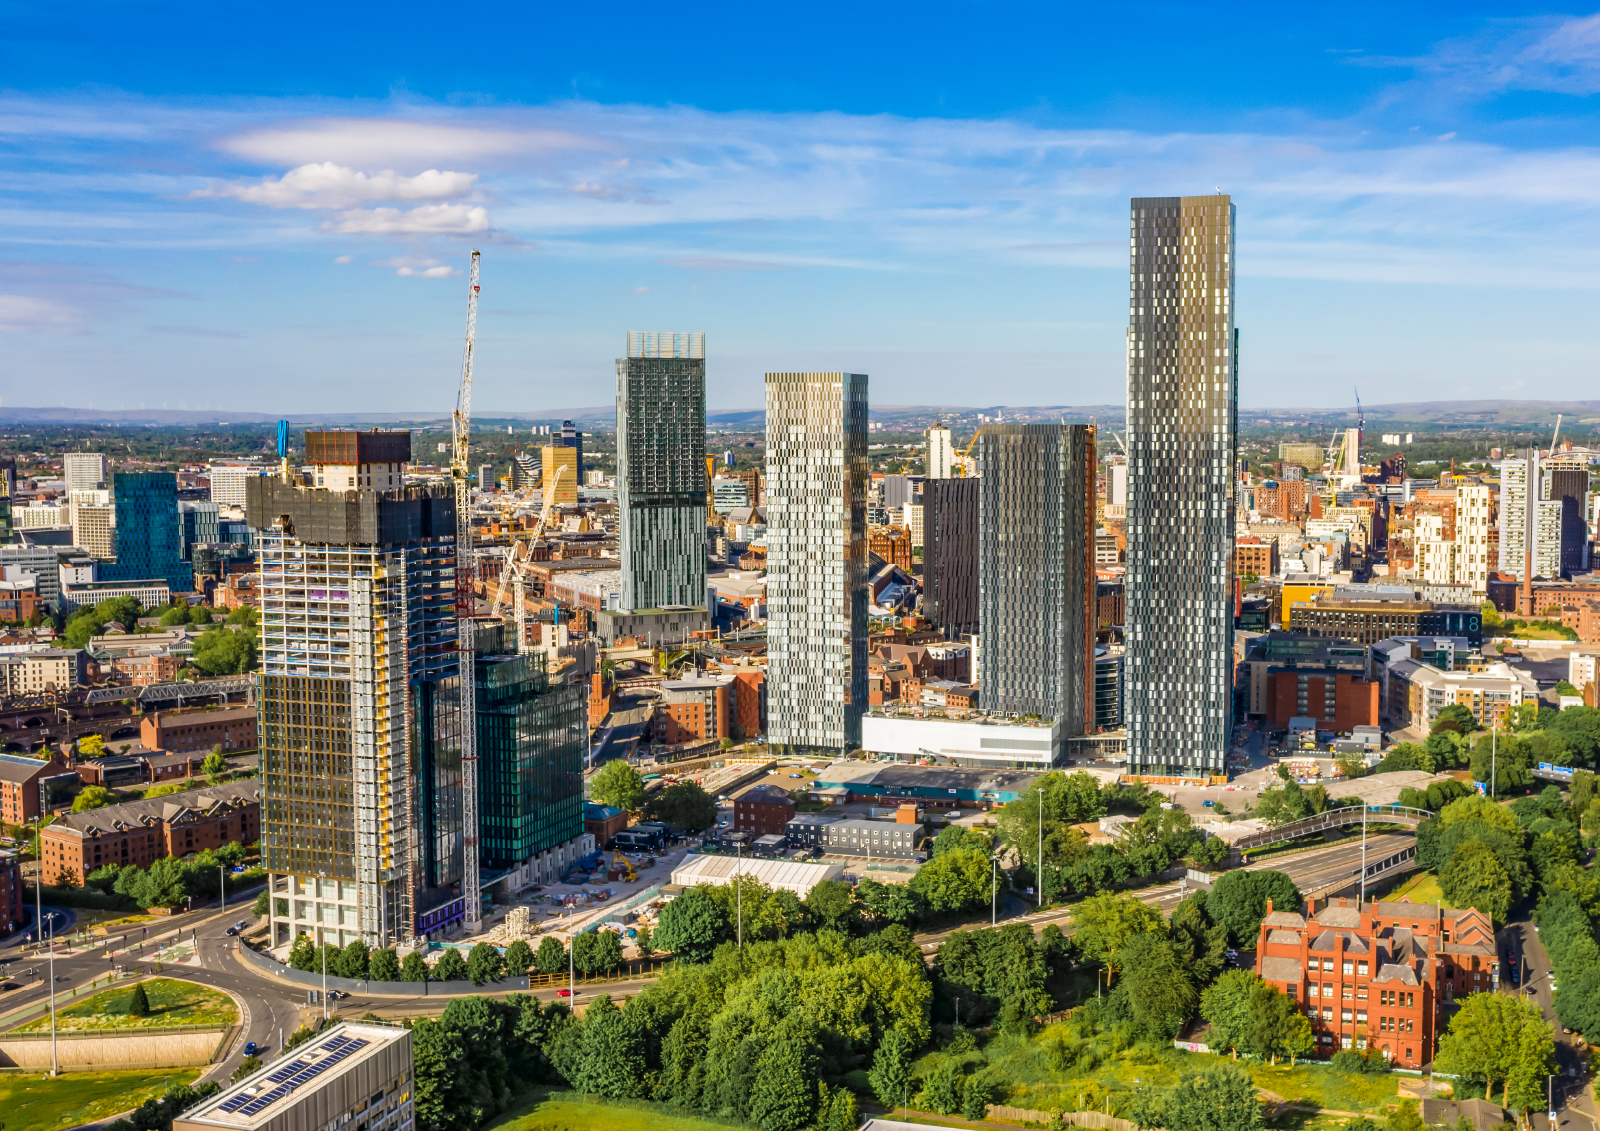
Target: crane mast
(460,431)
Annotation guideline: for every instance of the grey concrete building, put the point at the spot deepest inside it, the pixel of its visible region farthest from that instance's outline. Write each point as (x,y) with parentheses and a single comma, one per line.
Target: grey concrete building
(1036,580)
(1182,403)
(661,473)
(816,559)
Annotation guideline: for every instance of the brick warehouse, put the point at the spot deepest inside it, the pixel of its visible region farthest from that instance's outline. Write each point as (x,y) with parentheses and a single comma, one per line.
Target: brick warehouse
(142,832)
(232,728)
(1379,974)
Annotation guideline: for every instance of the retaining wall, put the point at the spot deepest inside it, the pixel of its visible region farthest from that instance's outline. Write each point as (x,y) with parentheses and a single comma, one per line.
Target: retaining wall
(84,1051)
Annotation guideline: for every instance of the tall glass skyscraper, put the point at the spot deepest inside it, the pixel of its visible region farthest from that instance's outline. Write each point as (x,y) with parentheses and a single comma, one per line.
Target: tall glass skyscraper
(661,449)
(1036,579)
(950,555)
(816,559)
(1183,409)
(149,531)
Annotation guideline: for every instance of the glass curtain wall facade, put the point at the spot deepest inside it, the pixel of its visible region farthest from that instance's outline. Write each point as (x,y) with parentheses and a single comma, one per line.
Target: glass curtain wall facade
(357,708)
(1182,400)
(661,447)
(950,555)
(816,559)
(149,531)
(1036,580)
(532,738)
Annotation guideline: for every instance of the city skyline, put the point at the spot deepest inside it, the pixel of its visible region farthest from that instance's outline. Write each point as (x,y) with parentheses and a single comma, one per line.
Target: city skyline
(176,224)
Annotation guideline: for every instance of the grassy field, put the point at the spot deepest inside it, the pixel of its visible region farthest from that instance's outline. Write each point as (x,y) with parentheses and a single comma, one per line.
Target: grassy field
(567,1111)
(1423,887)
(36,1103)
(172,1002)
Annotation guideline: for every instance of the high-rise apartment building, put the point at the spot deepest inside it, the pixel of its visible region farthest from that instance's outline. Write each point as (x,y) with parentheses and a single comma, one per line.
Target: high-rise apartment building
(572,437)
(84,471)
(1182,449)
(94,527)
(149,531)
(228,478)
(358,700)
(1036,578)
(816,559)
(1567,480)
(486,478)
(950,555)
(941,452)
(1531,517)
(661,448)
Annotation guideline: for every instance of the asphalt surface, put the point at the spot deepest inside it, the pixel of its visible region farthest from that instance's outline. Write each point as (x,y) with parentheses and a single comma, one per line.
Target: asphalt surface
(1574,1105)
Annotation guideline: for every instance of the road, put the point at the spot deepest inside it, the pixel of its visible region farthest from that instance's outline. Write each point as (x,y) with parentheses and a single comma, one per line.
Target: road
(1575,1107)
(1310,870)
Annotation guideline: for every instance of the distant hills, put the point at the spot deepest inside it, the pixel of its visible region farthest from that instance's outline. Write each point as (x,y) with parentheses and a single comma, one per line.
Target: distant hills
(1459,414)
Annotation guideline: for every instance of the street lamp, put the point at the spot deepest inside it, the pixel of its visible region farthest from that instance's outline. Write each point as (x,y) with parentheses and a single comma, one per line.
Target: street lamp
(1039,869)
(55,1066)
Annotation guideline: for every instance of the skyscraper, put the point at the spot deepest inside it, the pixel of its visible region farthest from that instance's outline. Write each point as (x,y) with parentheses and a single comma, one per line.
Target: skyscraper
(357,699)
(1036,579)
(661,447)
(941,452)
(1550,530)
(149,531)
(572,437)
(816,559)
(84,471)
(950,555)
(1182,405)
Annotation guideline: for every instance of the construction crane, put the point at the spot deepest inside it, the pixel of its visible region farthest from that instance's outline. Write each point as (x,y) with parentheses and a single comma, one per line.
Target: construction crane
(961,468)
(460,431)
(515,568)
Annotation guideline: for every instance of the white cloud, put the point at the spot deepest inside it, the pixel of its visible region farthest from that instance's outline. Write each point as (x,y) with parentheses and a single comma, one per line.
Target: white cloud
(394,141)
(327,185)
(29,314)
(407,267)
(427,273)
(343,258)
(429,220)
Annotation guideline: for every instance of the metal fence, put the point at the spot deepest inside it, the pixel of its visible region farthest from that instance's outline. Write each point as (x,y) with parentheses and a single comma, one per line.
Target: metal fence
(1335,818)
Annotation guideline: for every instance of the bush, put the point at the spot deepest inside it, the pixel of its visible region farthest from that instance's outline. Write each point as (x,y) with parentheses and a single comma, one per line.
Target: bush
(1354,1062)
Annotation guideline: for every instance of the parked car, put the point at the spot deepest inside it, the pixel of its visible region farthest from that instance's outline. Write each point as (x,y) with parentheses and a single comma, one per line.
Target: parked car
(231,931)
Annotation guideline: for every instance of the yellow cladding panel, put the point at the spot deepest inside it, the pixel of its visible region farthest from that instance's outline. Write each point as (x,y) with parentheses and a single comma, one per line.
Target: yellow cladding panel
(1303,592)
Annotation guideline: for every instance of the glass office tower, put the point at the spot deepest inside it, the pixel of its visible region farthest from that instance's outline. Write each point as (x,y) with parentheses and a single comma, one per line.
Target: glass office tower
(661,448)
(816,559)
(149,531)
(1182,405)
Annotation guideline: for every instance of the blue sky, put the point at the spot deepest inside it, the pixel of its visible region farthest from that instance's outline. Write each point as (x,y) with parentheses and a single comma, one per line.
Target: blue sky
(268,207)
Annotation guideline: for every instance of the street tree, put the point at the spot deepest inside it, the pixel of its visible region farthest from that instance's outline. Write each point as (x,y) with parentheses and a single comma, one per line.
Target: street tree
(617,784)
(1104,922)
(1475,878)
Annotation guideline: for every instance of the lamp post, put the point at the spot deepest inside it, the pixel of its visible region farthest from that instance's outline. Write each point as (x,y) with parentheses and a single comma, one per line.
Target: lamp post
(222,885)
(1494,752)
(994,889)
(55,1066)
(322,939)
(738,888)
(1039,868)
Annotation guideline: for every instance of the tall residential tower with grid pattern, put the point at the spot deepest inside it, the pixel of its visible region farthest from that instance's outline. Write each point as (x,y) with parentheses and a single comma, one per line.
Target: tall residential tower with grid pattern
(1182,406)
(816,559)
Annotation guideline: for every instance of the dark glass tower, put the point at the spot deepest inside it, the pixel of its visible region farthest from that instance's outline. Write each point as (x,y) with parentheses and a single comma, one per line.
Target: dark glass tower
(1182,406)
(950,555)
(149,534)
(1036,580)
(661,451)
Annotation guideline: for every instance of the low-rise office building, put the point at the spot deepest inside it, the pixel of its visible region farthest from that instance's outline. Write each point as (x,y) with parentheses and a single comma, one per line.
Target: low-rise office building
(696,708)
(851,837)
(1419,691)
(1292,676)
(354,1076)
(992,741)
(1369,621)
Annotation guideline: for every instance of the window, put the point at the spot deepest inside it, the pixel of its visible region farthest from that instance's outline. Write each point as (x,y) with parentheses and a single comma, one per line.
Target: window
(1361,968)
(1349,967)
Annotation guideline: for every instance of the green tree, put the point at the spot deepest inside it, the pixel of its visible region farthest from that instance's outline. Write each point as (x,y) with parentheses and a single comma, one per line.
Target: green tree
(1220,1097)
(956,881)
(551,957)
(223,651)
(92,797)
(843,1114)
(684,804)
(941,1091)
(1225,1004)
(642,940)
(1103,923)
(353,960)
(784,1097)
(302,953)
(596,952)
(1475,878)
(692,925)
(890,1075)
(384,966)
(138,1002)
(484,964)
(414,968)
(1494,1037)
(617,784)
(1203,941)
(519,956)
(1405,1117)
(263,905)
(451,967)
(214,765)
(1455,718)
(832,903)
(890,903)
(613,1052)
(1158,985)
(1239,899)
(246,1066)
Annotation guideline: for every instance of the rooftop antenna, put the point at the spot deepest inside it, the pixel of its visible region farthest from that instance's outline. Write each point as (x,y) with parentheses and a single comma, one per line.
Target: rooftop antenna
(283,449)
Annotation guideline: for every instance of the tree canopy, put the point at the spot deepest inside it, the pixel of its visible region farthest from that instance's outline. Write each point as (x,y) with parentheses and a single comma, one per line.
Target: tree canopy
(1239,899)
(684,804)
(617,784)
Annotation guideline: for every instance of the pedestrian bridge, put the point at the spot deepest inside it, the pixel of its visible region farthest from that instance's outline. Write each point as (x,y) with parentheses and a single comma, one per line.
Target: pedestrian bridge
(1333,819)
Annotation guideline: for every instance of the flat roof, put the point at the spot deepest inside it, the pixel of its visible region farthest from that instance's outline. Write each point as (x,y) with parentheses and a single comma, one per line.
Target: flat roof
(795,875)
(267,1092)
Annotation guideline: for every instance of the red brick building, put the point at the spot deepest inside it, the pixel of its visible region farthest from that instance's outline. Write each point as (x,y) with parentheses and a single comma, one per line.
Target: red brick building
(1378,975)
(1304,693)
(694,709)
(12,913)
(763,810)
(19,785)
(600,697)
(143,668)
(142,832)
(232,728)
(749,703)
